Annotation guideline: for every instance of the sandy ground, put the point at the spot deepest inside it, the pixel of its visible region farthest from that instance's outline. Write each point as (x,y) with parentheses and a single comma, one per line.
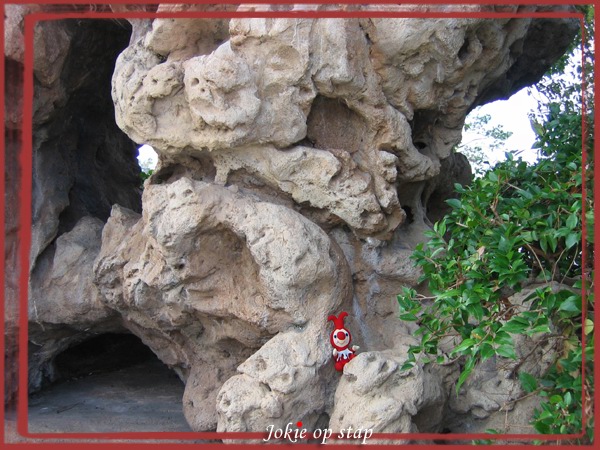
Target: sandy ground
(145,397)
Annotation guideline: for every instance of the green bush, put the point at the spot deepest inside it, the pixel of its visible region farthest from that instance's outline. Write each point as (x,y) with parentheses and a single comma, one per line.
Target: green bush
(516,226)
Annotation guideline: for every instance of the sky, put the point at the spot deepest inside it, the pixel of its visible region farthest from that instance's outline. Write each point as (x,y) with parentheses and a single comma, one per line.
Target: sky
(512,114)
(147,157)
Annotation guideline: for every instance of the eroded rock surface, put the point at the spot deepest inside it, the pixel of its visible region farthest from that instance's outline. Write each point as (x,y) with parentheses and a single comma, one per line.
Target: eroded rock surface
(300,162)
(82,165)
(347,123)
(374,394)
(202,280)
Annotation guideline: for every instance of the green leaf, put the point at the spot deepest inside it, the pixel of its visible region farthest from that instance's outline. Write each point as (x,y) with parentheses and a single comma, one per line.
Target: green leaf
(572,239)
(553,241)
(528,382)
(503,245)
(539,329)
(442,227)
(407,366)
(454,203)
(544,242)
(486,351)
(465,374)
(409,317)
(568,399)
(572,221)
(506,351)
(405,303)
(537,128)
(589,326)
(464,345)
(571,304)
(476,311)
(516,325)
(459,188)
(503,338)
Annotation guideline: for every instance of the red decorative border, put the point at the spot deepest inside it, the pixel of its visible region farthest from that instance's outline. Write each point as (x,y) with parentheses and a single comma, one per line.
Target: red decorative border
(25,196)
(3,228)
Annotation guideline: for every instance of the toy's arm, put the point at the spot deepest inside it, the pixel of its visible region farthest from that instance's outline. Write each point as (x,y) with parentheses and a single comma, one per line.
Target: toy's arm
(335,352)
(355,348)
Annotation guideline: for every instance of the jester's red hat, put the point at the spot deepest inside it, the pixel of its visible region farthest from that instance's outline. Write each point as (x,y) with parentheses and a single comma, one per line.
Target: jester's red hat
(340,339)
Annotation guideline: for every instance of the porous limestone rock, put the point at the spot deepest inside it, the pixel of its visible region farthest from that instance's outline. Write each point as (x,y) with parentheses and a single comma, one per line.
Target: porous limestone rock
(286,380)
(300,162)
(338,134)
(66,294)
(201,278)
(374,394)
(67,279)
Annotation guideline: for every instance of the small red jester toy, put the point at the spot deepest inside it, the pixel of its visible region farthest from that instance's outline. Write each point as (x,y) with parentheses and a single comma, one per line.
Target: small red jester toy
(340,339)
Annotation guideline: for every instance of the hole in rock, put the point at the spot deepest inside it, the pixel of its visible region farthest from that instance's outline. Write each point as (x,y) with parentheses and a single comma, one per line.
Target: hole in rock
(422,126)
(109,383)
(435,206)
(409,214)
(168,174)
(104,353)
(147,158)
(464,50)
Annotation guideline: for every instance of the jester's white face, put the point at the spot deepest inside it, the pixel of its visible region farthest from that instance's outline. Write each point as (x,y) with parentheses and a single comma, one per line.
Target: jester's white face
(341,337)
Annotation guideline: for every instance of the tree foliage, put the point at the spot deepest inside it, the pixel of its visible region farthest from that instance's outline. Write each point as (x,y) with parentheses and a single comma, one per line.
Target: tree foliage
(146,170)
(516,226)
(490,138)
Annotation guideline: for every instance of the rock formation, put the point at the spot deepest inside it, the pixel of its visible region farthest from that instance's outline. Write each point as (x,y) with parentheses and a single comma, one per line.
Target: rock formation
(82,165)
(301,160)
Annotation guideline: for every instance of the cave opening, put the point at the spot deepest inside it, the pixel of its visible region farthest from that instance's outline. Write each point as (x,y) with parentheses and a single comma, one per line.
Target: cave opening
(108,383)
(103,353)
(81,137)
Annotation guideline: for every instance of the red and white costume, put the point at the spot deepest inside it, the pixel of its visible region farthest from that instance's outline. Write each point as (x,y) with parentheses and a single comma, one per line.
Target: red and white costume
(340,339)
